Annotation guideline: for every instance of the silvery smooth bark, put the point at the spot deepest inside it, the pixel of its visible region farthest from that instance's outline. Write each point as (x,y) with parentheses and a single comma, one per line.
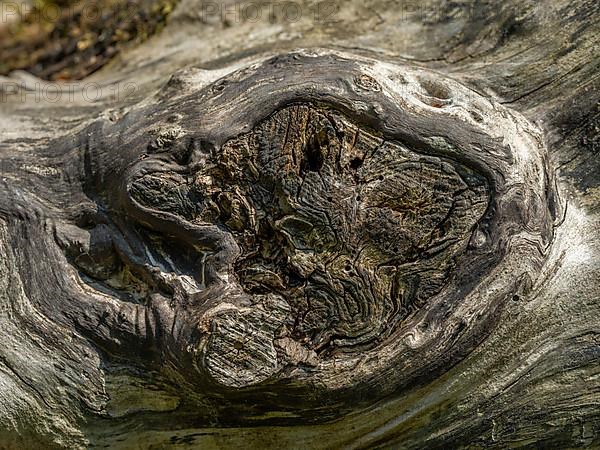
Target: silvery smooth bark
(354,224)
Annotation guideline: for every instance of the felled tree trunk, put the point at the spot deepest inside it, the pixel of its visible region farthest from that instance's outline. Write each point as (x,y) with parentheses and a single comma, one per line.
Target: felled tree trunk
(320,225)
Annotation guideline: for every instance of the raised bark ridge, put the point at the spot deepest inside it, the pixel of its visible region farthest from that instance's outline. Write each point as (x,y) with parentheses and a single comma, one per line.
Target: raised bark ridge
(312,238)
(311,232)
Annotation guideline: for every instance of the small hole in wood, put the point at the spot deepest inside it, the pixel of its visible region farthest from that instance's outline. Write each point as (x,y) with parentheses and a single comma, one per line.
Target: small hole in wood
(356,163)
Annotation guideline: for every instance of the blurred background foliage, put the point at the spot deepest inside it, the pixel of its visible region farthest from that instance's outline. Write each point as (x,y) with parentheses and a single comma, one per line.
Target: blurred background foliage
(69,39)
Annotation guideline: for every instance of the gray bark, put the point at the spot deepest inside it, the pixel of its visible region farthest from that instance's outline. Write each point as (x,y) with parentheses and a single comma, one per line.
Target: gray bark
(374,225)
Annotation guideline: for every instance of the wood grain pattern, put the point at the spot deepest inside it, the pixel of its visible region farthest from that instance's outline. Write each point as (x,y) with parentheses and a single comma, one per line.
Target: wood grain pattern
(321,248)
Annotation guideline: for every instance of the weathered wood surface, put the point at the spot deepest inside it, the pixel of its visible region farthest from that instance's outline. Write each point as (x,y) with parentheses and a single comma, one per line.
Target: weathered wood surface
(387,239)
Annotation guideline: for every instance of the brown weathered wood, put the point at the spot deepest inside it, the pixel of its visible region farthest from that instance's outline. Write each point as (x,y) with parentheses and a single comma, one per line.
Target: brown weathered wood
(376,230)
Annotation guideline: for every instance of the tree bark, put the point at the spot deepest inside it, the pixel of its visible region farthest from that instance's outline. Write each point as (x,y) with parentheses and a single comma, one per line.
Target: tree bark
(363,225)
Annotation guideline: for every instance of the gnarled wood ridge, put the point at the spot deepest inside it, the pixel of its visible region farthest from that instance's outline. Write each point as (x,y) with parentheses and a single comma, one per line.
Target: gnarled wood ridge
(284,242)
